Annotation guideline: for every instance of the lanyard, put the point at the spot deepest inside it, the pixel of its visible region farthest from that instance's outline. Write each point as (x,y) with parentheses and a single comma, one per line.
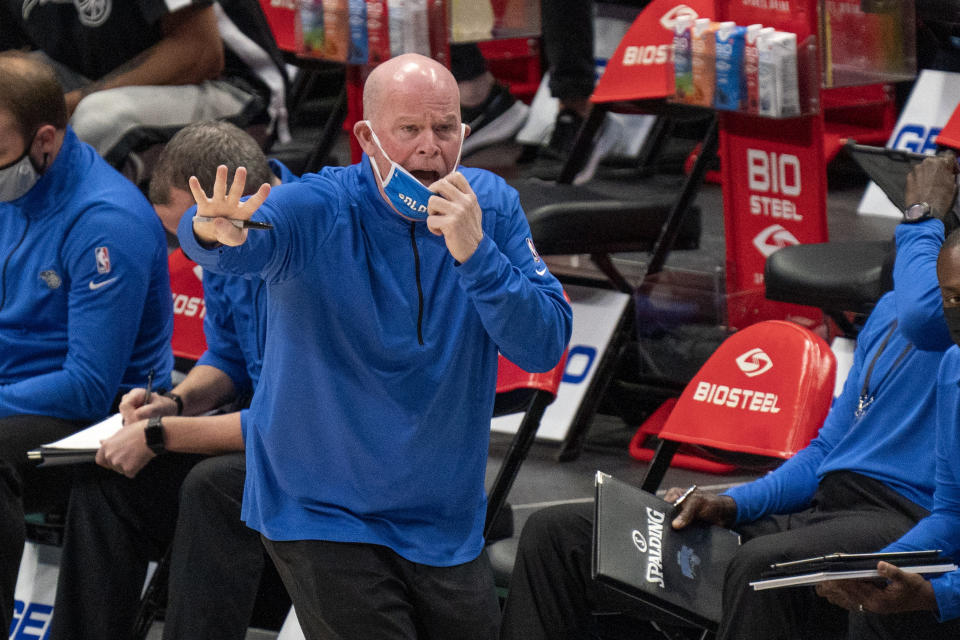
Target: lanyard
(866,398)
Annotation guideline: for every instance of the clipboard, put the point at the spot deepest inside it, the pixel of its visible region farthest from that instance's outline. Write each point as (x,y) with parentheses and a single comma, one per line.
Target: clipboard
(850,566)
(888,168)
(637,552)
(78,447)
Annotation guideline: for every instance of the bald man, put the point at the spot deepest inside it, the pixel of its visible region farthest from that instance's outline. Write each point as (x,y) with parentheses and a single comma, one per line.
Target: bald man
(392,284)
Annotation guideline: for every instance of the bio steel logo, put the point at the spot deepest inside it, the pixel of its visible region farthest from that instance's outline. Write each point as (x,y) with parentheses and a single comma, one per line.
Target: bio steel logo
(772,238)
(754,362)
(773,179)
(670,18)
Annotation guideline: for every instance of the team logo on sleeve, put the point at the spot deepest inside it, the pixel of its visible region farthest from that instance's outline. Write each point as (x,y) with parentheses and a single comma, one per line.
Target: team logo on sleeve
(103,259)
(51,278)
(540,265)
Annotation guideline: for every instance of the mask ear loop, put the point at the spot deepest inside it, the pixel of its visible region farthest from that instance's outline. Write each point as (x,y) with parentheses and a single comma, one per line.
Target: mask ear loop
(463,133)
(393,165)
(376,169)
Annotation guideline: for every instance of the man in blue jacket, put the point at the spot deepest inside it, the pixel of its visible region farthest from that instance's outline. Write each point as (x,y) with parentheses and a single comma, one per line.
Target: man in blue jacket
(175,476)
(392,284)
(909,606)
(85,309)
(857,486)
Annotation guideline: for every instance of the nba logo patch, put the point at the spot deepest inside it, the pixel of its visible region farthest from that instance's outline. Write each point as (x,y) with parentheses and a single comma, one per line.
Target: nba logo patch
(541,268)
(103,259)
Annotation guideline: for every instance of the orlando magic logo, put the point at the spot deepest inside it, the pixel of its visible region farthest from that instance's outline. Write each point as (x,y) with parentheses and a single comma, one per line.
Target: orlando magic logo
(92,13)
(51,278)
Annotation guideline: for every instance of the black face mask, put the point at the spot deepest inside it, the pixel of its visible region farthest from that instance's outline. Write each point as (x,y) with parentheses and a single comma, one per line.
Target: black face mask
(952,315)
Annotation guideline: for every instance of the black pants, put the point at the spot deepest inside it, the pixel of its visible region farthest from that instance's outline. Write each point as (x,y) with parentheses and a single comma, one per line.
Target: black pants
(466,62)
(916,625)
(347,591)
(552,595)
(116,525)
(568,47)
(22,486)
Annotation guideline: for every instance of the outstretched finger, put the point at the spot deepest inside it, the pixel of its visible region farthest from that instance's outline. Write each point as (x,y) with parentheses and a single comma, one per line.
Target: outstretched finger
(239,182)
(199,195)
(220,184)
(253,202)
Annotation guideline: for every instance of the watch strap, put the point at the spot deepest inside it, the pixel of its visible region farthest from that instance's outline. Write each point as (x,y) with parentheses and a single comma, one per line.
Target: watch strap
(176,398)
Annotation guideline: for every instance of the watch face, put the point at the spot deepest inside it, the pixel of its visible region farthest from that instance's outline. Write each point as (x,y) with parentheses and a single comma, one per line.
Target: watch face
(917,211)
(154,435)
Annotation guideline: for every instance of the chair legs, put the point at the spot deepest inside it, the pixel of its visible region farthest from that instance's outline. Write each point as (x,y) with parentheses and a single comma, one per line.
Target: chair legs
(659,465)
(519,448)
(152,599)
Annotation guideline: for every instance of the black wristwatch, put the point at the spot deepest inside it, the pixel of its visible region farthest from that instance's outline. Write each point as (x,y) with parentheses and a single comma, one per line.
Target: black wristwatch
(155,436)
(917,211)
(176,398)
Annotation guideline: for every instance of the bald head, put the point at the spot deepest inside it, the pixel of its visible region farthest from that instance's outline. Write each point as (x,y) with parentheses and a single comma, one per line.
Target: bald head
(31,93)
(410,73)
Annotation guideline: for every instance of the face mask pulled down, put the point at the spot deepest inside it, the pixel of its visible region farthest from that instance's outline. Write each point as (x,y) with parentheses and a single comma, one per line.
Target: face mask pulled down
(17,178)
(403,191)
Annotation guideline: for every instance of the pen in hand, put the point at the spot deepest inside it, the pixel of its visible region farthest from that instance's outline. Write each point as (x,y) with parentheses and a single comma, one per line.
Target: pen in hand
(238,223)
(686,494)
(146,396)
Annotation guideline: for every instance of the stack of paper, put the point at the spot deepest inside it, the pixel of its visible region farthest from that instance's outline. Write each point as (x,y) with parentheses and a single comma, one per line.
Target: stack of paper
(81,446)
(850,566)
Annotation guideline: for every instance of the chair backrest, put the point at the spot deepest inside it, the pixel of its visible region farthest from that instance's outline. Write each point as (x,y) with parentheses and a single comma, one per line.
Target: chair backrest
(282,18)
(642,68)
(523,391)
(949,136)
(515,387)
(186,284)
(510,377)
(765,391)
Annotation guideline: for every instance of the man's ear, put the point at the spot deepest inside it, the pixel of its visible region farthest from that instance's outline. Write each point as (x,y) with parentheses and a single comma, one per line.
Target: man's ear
(361,129)
(44,147)
(45,139)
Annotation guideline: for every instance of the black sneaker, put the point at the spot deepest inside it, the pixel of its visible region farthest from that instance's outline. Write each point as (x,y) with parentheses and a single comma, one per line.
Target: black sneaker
(565,130)
(551,158)
(496,119)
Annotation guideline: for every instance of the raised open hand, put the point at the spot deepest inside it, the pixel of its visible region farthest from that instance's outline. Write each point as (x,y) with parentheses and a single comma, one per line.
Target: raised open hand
(225,206)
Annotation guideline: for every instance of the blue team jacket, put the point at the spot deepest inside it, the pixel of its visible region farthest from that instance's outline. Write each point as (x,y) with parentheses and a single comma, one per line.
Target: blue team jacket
(370,422)
(941,529)
(85,307)
(899,426)
(235,323)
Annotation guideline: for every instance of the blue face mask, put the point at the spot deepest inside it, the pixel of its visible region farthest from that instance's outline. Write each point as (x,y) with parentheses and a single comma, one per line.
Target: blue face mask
(404,192)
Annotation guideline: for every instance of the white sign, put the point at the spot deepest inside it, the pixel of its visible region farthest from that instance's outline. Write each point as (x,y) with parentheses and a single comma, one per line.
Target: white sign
(36,591)
(932,101)
(596,313)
